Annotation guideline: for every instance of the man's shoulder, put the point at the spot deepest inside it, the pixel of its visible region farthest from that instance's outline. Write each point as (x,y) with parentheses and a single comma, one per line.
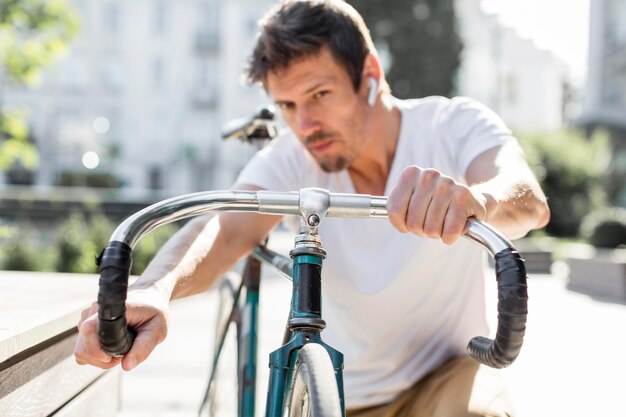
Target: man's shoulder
(440,102)
(439,110)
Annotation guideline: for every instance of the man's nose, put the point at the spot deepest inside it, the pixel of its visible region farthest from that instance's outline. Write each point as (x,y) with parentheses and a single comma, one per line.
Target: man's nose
(306,122)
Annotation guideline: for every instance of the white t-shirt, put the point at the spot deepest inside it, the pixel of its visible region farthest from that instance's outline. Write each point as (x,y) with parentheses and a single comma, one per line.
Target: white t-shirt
(396,305)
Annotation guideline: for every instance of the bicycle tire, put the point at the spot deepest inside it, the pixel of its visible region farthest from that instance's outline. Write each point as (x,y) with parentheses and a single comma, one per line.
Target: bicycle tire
(221,395)
(314,391)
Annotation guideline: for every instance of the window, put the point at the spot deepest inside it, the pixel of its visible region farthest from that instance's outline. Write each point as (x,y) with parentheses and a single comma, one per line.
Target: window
(155,178)
(112,18)
(207,69)
(111,74)
(159,18)
(73,73)
(72,131)
(208,32)
(158,73)
(510,89)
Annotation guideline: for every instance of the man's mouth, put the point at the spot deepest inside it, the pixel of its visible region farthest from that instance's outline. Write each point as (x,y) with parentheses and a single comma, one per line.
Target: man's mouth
(321,146)
(320,142)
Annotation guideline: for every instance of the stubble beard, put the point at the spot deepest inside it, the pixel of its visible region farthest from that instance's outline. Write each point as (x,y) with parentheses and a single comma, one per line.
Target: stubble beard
(336,164)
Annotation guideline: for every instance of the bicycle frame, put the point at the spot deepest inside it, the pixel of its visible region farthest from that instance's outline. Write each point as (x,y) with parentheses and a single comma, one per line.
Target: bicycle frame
(305,321)
(247,343)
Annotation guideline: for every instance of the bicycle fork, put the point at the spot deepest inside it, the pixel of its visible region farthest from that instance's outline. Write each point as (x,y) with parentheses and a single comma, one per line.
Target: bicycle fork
(305,322)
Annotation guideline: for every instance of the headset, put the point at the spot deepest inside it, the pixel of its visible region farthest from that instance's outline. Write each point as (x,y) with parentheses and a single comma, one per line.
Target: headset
(371,95)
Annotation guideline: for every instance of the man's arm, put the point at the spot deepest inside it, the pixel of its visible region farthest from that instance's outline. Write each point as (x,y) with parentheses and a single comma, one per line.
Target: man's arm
(203,251)
(189,263)
(514,201)
(502,191)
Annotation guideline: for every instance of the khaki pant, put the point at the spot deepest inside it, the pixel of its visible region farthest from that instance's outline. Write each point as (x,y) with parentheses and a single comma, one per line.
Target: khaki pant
(460,388)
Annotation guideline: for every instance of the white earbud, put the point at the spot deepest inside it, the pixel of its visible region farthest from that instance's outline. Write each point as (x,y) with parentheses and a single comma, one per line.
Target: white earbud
(371,95)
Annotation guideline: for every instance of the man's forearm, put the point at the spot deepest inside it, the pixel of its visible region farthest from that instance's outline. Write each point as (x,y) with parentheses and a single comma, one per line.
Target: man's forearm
(203,251)
(515,206)
(513,198)
(174,271)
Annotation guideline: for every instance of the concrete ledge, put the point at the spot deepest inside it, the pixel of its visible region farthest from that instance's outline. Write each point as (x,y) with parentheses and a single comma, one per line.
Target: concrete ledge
(38,373)
(597,272)
(537,254)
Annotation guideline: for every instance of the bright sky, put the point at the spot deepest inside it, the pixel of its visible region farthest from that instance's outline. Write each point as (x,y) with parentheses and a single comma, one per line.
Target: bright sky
(561,26)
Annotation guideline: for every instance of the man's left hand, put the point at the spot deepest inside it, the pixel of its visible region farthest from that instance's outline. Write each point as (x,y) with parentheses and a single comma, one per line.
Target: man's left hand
(427,203)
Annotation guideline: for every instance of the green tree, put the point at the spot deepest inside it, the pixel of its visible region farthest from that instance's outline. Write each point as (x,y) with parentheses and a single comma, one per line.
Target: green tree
(15,146)
(422,41)
(33,34)
(573,172)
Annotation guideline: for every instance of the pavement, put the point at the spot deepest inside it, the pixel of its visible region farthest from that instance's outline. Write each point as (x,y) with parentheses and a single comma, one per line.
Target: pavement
(573,362)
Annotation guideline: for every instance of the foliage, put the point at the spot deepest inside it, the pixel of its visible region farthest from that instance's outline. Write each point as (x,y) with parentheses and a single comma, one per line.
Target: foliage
(79,242)
(14,144)
(605,227)
(23,252)
(87,179)
(149,245)
(422,40)
(33,33)
(75,245)
(572,170)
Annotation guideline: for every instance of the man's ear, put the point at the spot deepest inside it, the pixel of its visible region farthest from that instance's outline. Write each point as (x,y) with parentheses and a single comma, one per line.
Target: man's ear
(372,67)
(372,73)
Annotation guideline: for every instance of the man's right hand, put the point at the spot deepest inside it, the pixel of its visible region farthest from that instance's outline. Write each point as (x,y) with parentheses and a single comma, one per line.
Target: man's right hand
(146,313)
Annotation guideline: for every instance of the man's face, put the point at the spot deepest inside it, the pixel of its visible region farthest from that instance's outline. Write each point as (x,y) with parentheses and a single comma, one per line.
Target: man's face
(318,102)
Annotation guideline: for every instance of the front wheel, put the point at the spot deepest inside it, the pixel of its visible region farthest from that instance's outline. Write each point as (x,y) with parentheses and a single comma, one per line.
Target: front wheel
(314,391)
(221,395)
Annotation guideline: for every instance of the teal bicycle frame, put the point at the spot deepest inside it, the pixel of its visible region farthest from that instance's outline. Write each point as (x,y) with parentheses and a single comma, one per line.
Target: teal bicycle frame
(305,325)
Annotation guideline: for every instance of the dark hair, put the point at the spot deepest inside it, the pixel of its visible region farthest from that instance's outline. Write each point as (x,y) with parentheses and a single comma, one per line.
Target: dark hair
(298,29)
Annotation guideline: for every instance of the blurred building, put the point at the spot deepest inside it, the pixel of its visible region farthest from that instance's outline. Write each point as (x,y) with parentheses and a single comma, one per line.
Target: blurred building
(605,94)
(525,85)
(145,89)
(143,93)
(604,102)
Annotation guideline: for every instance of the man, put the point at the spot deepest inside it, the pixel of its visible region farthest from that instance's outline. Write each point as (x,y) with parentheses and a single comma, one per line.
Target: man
(400,307)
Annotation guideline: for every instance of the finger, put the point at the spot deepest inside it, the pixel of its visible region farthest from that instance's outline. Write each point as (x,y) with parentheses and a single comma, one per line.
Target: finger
(102,365)
(454,225)
(434,220)
(149,335)
(421,201)
(88,345)
(88,312)
(418,208)
(143,345)
(94,308)
(85,358)
(400,198)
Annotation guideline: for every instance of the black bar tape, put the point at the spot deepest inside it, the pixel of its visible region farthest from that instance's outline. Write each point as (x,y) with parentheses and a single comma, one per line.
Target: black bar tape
(512,313)
(115,263)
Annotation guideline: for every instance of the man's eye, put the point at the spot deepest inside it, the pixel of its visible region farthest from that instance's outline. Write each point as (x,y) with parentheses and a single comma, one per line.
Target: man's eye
(285,106)
(320,94)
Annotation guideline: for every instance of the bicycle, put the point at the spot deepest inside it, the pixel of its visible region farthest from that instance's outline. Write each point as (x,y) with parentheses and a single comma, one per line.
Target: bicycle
(306,373)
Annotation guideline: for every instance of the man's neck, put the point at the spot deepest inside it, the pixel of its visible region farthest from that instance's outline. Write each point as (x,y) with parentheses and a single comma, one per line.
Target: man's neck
(369,172)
